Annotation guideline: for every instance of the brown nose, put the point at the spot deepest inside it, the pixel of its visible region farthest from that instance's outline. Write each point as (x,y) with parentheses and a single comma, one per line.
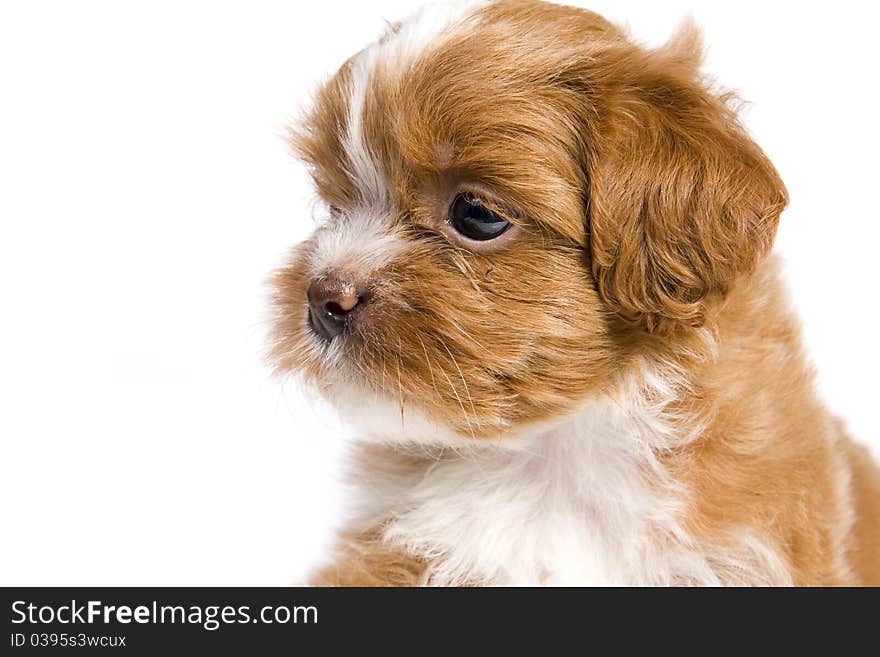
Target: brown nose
(332,302)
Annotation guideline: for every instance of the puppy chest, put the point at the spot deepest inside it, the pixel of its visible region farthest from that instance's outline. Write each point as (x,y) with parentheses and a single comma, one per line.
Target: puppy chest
(527,524)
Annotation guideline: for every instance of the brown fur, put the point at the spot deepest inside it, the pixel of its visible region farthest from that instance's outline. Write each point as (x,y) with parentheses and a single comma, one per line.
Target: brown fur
(772,457)
(643,211)
(363,560)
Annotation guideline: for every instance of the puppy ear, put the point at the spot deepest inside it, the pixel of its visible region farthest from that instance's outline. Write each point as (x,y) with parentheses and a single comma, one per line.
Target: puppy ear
(682,201)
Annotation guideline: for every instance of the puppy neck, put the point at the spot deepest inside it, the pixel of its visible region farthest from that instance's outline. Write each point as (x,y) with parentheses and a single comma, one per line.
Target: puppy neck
(507,512)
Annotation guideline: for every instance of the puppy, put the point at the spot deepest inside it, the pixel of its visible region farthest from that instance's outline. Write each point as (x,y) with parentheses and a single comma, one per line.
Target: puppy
(542,294)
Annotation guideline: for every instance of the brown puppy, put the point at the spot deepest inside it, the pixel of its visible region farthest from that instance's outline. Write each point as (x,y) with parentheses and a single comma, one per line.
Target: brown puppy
(543,294)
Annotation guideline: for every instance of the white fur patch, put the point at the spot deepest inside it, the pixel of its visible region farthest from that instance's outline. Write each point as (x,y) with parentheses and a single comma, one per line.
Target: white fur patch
(428,26)
(382,420)
(364,170)
(584,502)
(361,242)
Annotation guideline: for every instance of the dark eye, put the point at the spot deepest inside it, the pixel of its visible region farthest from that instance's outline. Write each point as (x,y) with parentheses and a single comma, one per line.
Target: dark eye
(473,220)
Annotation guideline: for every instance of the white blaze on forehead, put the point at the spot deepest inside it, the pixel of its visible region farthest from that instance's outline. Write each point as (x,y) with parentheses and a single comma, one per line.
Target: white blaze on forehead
(360,242)
(394,53)
(365,239)
(362,166)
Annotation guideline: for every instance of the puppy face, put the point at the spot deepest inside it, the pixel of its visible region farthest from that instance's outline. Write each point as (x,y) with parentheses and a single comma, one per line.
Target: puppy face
(520,202)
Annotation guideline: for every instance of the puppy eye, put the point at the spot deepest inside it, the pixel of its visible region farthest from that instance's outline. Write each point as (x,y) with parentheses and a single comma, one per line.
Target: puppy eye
(475,221)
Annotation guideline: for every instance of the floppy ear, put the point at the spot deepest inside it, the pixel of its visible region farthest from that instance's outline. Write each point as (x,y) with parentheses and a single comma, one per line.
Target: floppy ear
(682,201)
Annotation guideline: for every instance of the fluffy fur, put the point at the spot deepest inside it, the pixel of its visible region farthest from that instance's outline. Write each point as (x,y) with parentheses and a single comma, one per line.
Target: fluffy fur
(614,391)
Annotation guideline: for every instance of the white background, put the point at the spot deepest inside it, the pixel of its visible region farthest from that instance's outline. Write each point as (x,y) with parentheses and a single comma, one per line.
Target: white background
(146,193)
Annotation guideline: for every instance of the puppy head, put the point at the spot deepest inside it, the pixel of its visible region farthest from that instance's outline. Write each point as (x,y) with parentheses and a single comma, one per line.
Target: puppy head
(520,201)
